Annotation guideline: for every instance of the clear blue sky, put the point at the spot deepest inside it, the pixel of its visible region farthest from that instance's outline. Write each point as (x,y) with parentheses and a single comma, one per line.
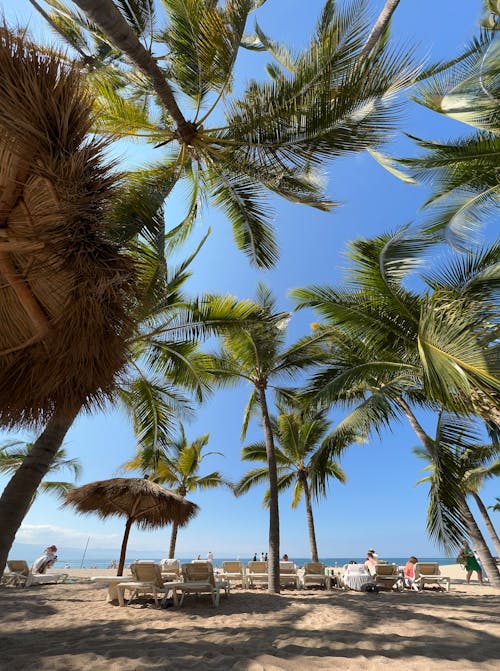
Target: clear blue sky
(379,506)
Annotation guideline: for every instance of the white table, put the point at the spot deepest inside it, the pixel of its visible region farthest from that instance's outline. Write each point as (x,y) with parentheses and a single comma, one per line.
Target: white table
(112,582)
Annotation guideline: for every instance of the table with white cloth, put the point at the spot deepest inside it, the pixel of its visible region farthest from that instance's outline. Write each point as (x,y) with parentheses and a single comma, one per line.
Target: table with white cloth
(356,576)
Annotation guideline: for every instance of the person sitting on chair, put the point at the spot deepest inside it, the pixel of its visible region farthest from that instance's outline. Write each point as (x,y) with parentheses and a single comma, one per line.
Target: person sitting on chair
(409,571)
(47,560)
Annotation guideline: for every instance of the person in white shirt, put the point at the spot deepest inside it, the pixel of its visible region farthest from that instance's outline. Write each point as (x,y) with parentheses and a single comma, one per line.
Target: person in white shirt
(210,557)
(47,560)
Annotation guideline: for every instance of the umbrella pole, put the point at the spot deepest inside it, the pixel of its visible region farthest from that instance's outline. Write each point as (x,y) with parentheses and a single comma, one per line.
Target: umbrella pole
(124,546)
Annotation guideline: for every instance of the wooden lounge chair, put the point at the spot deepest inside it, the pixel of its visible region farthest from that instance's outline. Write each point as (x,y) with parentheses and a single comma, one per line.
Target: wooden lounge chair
(233,571)
(387,577)
(428,573)
(288,573)
(257,571)
(147,579)
(20,575)
(314,574)
(198,578)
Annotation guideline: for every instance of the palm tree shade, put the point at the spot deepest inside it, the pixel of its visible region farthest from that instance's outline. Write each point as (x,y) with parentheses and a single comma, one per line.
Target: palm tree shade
(146,503)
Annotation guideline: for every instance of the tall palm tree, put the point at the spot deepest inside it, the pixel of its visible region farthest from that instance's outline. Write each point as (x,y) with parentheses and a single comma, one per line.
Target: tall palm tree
(391,348)
(257,355)
(455,451)
(298,437)
(177,464)
(14,452)
(259,142)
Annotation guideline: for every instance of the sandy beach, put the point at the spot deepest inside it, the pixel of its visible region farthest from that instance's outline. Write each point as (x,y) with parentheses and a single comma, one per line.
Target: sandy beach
(70,626)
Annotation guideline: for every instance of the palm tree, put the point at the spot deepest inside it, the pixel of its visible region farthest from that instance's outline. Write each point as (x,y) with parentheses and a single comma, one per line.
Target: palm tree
(455,451)
(14,452)
(298,436)
(176,463)
(463,172)
(344,95)
(472,466)
(391,348)
(257,354)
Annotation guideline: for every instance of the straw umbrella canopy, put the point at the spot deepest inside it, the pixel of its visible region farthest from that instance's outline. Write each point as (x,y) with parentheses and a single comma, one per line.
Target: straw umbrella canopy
(146,503)
(64,284)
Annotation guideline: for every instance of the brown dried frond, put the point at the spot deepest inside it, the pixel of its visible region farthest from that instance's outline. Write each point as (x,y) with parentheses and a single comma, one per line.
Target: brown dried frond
(64,285)
(148,504)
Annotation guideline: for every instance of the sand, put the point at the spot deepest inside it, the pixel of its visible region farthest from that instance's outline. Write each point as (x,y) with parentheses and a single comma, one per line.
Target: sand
(70,626)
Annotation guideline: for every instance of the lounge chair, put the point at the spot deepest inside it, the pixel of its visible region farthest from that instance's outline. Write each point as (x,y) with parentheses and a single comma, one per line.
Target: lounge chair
(233,571)
(170,569)
(428,573)
(19,574)
(199,579)
(314,574)
(288,573)
(147,579)
(257,571)
(387,577)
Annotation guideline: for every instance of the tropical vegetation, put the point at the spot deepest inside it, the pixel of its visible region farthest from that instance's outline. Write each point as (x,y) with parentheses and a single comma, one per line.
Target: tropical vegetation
(298,436)
(176,463)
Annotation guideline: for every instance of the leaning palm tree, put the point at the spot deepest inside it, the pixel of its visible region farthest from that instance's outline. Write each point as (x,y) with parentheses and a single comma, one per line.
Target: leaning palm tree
(391,348)
(65,285)
(472,465)
(455,451)
(14,452)
(298,436)
(257,355)
(176,463)
(335,97)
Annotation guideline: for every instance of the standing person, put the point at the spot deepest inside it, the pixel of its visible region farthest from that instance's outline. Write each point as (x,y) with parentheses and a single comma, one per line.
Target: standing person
(466,555)
(254,556)
(285,557)
(210,556)
(265,557)
(46,560)
(370,562)
(262,556)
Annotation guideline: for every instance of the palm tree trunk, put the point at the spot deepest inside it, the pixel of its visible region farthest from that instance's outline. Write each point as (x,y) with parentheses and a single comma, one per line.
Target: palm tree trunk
(105,14)
(424,437)
(123,550)
(379,27)
(310,520)
(488,523)
(173,541)
(18,494)
(274,518)
(481,546)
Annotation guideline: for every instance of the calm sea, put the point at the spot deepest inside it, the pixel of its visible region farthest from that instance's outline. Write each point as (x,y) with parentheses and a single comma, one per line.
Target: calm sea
(300,561)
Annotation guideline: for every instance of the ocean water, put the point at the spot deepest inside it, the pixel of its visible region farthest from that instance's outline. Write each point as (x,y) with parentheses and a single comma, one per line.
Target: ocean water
(89,562)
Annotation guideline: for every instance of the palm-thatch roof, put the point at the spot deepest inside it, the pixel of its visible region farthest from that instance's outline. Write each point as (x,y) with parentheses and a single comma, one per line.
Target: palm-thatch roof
(63,283)
(145,503)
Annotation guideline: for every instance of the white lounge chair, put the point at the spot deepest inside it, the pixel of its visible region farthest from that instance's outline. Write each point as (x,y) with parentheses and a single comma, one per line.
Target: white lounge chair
(429,573)
(387,577)
(20,574)
(233,571)
(198,578)
(314,574)
(147,579)
(170,569)
(288,573)
(257,572)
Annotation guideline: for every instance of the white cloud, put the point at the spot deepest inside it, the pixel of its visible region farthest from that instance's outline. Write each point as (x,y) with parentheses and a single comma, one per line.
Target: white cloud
(43,533)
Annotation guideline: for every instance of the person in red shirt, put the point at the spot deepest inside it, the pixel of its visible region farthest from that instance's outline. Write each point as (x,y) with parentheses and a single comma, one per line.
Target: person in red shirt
(409,571)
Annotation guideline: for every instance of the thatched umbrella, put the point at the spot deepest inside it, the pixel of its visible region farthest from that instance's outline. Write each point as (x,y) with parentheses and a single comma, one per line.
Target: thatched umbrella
(64,285)
(139,500)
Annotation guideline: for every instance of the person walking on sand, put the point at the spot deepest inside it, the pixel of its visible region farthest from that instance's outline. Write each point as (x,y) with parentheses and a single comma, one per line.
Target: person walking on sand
(467,557)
